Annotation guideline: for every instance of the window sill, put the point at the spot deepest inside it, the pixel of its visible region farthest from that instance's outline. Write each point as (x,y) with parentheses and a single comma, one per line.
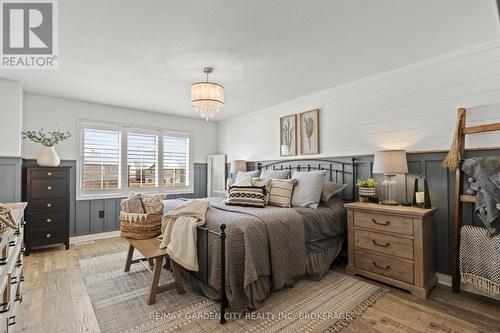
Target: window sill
(83,197)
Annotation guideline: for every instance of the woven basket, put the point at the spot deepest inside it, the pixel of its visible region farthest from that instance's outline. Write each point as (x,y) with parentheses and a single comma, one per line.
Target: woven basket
(140,226)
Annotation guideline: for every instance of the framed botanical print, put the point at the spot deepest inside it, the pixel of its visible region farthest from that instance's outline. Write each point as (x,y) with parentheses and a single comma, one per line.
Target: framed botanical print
(309,132)
(288,135)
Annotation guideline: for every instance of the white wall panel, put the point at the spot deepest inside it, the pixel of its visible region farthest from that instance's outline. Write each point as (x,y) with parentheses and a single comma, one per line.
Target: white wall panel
(412,108)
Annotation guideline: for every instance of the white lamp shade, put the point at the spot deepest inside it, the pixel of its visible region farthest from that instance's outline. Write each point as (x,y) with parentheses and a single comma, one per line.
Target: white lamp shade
(390,162)
(238,165)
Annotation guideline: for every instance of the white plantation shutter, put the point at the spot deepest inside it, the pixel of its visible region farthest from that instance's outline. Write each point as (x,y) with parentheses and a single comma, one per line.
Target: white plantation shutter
(175,160)
(101,159)
(142,160)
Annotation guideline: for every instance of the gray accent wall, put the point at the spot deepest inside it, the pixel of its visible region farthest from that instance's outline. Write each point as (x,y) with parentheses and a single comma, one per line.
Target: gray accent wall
(441,187)
(84,214)
(10,179)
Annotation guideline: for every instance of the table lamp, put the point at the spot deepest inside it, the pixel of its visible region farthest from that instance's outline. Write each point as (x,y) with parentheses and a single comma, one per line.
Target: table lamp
(390,163)
(236,166)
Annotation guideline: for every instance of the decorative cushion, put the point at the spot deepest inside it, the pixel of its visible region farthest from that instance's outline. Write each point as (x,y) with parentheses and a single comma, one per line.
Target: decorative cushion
(249,196)
(307,192)
(133,204)
(249,174)
(256,181)
(153,203)
(330,189)
(280,193)
(275,174)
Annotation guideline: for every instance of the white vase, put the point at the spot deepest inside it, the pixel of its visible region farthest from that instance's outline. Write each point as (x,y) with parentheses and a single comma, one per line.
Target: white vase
(48,157)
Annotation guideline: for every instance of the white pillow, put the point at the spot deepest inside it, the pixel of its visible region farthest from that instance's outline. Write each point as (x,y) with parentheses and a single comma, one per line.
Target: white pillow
(307,191)
(248,174)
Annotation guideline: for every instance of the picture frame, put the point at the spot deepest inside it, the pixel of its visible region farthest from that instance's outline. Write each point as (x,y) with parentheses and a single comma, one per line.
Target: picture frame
(288,135)
(309,132)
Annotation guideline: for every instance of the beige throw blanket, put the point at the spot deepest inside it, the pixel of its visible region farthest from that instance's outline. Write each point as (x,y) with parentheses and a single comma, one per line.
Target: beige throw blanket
(179,232)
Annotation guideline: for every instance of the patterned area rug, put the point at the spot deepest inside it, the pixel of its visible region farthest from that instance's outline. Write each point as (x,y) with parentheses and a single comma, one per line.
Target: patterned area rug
(119,302)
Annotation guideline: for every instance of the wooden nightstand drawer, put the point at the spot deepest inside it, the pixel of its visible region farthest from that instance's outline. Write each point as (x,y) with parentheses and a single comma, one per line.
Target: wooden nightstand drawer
(43,206)
(398,269)
(48,188)
(47,237)
(52,221)
(48,174)
(384,222)
(386,244)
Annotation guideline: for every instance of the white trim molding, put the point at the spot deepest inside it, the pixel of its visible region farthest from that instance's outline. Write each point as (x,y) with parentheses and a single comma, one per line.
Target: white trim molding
(446,281)
(92,237)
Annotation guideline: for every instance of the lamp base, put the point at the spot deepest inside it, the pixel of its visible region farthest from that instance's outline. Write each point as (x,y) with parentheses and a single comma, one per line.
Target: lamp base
(390,203)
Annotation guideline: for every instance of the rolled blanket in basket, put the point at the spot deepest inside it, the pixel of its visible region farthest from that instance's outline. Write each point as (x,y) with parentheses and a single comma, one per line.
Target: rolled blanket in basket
(480,259)
(179,232)
(484,178)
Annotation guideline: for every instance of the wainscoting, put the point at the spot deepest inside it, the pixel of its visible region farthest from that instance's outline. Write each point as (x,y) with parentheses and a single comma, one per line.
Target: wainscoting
(10,179)
(101,215)
(441,187)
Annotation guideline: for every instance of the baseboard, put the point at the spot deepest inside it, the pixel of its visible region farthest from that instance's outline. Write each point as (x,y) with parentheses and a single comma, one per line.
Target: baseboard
(92,237)
(446,281)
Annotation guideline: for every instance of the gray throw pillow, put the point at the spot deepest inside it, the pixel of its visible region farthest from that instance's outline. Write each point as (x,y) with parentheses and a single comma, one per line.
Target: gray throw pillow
(275,174)
(330,189)
(249,174)
(307,191)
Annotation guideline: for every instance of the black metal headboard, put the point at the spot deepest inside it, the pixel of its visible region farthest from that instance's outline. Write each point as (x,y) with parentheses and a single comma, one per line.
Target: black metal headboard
(337,170)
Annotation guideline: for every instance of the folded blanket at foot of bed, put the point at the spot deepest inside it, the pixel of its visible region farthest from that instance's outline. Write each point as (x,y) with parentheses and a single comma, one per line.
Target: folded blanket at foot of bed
(484,178)
(179,232)
(480,259)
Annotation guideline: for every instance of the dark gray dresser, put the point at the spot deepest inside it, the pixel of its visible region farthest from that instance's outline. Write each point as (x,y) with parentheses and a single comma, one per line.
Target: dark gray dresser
(47,213)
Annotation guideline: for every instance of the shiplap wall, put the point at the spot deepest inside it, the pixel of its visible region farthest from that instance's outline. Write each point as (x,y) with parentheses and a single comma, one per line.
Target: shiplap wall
(412,108)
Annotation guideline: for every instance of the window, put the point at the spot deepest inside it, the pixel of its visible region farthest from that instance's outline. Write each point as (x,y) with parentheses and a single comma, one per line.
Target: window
(175,161)
(115,160)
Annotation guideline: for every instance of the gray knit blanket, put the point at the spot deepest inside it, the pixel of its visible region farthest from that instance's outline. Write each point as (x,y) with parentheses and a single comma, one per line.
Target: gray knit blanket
(480,259)
(484,178)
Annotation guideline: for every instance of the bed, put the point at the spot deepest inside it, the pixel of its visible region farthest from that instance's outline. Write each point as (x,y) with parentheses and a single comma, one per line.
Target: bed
(259,250)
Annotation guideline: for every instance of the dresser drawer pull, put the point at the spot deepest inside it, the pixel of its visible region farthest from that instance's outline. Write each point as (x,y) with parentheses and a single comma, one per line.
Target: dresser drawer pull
(12,320)
(386,268)
(12,243)
(21,278)
(49,173)
(17,232)
(13,280)
(49,205)
(381,245)
(49,188)
(378,223)
(3,261)
(49,220)
(4,307)
(48,235)
(19,263)
(19,298)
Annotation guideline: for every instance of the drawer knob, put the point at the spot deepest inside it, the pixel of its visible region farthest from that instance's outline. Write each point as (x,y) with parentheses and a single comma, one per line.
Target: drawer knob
(49,188)
(381,245)
(386,268)
(49,220)
(49,173)
(49,205)
(49,235)
(386,223)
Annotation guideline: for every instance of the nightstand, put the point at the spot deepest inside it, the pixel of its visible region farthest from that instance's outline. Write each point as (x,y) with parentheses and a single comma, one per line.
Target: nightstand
(393,245)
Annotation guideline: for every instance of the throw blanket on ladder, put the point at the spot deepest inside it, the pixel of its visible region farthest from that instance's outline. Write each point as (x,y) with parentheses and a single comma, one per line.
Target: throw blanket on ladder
(179,232)
(480,259)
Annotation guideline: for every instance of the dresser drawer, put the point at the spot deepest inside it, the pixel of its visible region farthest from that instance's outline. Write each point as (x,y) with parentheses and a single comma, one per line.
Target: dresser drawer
(43,206)
(398,269)
(47,237)
(51,221)
(384,222)
(390,245)
(48,174)
(48,188)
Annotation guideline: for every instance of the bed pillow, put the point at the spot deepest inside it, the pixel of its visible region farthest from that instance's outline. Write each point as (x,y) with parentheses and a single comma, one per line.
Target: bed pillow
(307,191)
(331,189)
(256,181)
(280,193)
(133,204)
(275,174)
(248,174)
(247,196)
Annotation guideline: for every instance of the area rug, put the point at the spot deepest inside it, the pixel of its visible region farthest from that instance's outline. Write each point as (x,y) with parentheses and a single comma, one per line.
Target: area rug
(119,302)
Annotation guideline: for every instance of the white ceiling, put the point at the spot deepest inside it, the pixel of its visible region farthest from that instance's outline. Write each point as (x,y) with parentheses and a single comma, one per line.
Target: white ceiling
(145,54)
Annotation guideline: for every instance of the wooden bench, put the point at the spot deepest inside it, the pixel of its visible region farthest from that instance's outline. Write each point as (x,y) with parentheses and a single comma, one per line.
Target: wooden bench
(154,255)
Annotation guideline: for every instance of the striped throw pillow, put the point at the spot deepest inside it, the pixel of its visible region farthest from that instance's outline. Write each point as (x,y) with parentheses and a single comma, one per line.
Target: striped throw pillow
(250,196)
(280,193)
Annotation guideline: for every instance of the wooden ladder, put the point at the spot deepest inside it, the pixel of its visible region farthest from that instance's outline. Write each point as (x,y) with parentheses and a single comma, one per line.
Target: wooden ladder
(460,198)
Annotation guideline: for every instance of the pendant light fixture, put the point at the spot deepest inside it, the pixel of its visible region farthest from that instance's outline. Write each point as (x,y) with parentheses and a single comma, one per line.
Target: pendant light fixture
(207,98)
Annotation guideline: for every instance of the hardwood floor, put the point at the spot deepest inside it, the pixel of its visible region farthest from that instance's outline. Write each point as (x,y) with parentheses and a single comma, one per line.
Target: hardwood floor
(56,300)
